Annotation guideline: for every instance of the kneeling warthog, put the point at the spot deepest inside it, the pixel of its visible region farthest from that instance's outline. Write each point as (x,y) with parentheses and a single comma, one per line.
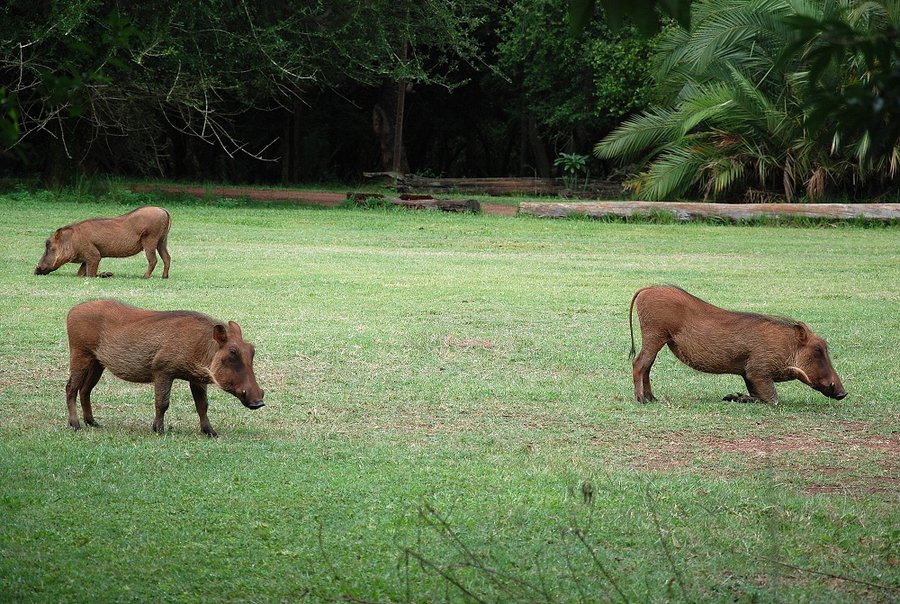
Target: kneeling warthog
(146,228)
(146,346)
(761,349)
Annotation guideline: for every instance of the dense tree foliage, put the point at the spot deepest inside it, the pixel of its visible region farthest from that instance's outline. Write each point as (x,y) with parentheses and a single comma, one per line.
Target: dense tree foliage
(571,88)
(91,72)
(768,95)
(275,91)
(738,95)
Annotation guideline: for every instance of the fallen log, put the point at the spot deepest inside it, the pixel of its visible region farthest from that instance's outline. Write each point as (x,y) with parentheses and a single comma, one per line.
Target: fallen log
(361,198)
(445,205)
(420,202)
(409,183)
(701,211)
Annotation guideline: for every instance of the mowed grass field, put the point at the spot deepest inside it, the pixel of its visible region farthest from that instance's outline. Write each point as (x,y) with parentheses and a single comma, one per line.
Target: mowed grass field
(440,390)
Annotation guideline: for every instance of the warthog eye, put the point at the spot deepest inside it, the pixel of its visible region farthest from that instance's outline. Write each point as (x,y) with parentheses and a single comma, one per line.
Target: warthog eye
(232,352)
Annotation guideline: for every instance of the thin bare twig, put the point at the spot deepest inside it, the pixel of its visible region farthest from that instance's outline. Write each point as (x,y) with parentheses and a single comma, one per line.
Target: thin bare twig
(447,576)
(579,534)
(832,575)
(493,575)
(665,546)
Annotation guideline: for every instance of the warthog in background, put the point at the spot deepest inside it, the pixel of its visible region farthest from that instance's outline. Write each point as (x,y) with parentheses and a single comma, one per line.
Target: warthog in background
(761,349)
(145,346)
(146,228)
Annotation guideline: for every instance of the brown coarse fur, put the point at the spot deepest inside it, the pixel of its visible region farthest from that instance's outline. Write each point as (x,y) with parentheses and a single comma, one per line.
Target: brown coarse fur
(86,242)
(762,349)
(146,346)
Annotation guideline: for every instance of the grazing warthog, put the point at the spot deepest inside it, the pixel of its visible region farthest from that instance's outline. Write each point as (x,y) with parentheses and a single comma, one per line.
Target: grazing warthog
(761,349)
(146,228)
(145,346)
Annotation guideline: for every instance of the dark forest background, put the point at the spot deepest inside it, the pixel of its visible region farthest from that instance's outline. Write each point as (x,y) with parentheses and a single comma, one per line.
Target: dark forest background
(730,99)
(304,92)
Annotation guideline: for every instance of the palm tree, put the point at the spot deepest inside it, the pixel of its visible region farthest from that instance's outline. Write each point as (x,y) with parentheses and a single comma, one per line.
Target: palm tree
(734,92)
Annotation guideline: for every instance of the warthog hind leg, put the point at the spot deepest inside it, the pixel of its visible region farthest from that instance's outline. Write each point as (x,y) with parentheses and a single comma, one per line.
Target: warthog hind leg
(643,362)
(164,254)
(92,376)
(150,252)
(162,387)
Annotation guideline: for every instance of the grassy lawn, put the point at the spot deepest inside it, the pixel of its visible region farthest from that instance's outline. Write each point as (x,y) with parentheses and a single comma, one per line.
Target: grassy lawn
(439,388)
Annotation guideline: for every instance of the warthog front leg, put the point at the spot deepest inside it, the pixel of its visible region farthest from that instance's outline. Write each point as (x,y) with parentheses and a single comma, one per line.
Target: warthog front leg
(760,389)
(92,263)
(200,401)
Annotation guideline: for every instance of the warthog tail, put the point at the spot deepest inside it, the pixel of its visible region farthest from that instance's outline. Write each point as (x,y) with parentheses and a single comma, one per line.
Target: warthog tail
(631,353)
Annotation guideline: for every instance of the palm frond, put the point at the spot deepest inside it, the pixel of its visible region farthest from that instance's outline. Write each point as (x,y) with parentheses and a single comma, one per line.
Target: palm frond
(638,133)
(674,172)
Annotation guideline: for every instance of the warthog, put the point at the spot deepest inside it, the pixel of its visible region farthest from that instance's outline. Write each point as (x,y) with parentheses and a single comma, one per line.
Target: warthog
(146,346)
(761,349)
(146,228)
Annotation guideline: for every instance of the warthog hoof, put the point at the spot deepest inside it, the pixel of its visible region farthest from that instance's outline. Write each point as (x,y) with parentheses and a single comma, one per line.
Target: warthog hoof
(104,275)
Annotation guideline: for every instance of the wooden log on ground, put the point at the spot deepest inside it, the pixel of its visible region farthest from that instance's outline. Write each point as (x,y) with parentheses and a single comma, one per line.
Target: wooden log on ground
(361,198)
(444,205)
(414,196)
(727,211)
(421,202)
(409,183)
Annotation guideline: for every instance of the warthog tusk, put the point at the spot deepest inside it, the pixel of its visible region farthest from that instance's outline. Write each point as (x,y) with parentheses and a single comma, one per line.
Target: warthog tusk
(803,377)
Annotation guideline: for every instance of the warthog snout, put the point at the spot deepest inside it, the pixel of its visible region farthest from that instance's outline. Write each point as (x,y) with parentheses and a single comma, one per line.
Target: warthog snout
(838,392)
(832,390)
(252,400)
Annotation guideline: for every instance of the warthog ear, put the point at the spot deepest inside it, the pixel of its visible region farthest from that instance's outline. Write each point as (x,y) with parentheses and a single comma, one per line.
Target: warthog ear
(235,329)
(219,334)
(63,237)
(802,332)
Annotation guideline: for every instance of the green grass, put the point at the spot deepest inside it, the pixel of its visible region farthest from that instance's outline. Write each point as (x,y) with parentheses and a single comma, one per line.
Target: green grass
(423,368)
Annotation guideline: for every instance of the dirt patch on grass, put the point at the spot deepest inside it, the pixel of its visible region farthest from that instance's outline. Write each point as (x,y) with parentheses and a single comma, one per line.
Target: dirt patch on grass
(858,462)
(756,446)
(452,341)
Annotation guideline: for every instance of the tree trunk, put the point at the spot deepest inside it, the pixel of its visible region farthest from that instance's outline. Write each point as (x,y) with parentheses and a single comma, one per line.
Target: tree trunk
(384,128)
(397,152)
(297,142)
(60,167)
(538,150)
(286,151)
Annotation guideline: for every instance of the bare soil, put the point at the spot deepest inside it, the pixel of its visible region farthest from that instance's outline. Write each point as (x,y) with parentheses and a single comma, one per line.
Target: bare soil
(849,461)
